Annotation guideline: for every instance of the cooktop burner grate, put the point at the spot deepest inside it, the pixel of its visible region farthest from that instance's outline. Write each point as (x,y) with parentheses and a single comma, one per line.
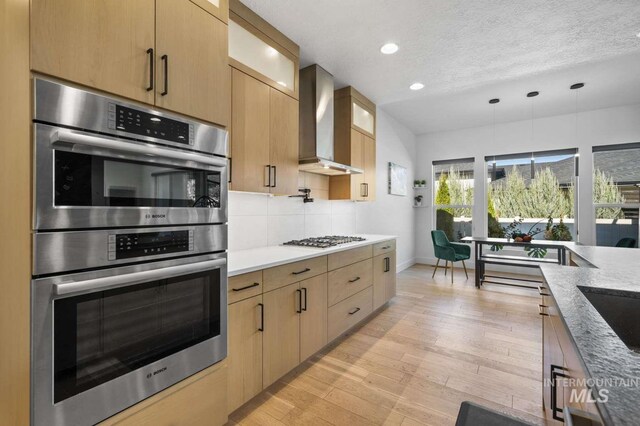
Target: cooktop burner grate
(324,242)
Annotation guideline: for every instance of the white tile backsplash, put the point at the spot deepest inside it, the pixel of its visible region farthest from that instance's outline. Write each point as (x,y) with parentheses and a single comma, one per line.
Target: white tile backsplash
(246,232)
(260,220)
(343,224)
(316,225)
(283,228)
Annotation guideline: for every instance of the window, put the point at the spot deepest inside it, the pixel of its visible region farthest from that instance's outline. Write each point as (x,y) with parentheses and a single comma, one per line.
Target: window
(536,189)
(453,197)
(616,193)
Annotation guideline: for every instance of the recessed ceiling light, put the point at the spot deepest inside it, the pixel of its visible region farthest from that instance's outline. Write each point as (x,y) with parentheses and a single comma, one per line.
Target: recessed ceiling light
(389,48)
(638,35)
(416,86)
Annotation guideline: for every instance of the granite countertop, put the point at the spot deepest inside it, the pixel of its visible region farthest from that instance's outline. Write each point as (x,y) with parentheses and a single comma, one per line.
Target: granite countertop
(244,261)
(605,356)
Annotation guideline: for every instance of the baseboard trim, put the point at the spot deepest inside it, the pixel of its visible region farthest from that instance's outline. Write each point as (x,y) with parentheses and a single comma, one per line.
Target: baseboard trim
(405,265)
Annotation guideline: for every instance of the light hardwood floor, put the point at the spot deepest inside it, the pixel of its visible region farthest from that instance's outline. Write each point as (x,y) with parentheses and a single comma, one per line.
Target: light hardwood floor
(415,360)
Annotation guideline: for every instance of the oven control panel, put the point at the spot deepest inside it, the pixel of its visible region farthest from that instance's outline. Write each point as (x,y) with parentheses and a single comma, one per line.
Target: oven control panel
(142,244)
(142,123)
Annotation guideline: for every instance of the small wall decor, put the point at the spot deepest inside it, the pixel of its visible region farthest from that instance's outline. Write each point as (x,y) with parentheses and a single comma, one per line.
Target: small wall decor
(397,179)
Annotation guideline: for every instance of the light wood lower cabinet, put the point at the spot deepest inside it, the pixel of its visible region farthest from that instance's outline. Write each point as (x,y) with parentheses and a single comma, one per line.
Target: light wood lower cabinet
(281,340)
(313,320)
(200,400)
(244,351)
(349,312)
(384,278)
(294,312)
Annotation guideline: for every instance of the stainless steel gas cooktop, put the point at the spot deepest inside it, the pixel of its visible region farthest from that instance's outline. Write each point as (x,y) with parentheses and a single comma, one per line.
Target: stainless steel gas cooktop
(324,242)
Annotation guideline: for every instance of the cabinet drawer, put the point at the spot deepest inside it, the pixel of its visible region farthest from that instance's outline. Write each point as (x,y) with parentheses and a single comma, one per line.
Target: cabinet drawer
(349,312)
(347,281)
(347,257)
(244,286)
(293,272)
(384,247)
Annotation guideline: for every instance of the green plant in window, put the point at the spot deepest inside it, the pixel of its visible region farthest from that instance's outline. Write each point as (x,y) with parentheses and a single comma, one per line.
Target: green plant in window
(605,191)
(444,216)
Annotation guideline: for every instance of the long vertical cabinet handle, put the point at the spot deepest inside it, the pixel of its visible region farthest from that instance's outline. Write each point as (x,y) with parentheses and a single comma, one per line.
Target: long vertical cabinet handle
(366,189)
(165,60)
(387,264)
(230,170)
(151,66)
(275,177)
(261,328)
(299,309)
(305,298)
(362,193)
(554,391)
(268,168)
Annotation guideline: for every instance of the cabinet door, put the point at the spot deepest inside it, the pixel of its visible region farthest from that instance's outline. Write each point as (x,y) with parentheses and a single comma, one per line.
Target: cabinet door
(283,142)
(249,134)
(369,154)
(100,44)
(551,356)
(379,280)
(313,320)
(281,341)
(390,281)
(193,75)
(245,351)
(218,8)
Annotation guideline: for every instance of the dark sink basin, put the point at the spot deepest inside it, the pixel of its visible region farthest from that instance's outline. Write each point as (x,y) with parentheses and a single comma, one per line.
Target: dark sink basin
(621,310)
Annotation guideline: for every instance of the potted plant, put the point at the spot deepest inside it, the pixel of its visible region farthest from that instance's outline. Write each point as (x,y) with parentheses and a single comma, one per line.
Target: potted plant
(423,183)
(416,183)
(559,232)
(418,200)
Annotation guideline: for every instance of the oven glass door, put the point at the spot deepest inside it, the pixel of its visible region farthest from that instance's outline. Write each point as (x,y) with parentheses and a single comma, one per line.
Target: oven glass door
(101,336)
(95,181)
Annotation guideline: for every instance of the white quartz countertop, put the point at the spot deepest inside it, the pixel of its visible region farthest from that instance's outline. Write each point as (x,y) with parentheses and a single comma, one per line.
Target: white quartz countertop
(244,261)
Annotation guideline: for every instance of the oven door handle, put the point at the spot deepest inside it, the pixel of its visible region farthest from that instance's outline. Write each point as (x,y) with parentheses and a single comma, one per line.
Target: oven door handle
(107,283)
(118,148)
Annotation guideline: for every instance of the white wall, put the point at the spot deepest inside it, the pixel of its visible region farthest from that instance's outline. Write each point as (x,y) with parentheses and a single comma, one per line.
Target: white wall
(392,214)
(259,220)
(599,127)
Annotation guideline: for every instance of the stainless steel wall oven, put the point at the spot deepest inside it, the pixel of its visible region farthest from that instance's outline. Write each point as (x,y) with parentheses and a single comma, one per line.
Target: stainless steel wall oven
(129,272)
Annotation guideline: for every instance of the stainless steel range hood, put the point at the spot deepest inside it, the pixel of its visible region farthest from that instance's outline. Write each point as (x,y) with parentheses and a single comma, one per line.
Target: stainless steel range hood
(316,124)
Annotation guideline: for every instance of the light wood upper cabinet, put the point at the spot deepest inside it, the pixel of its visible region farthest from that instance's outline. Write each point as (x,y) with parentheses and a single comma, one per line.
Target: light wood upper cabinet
(281,340)
(313,320)
(369,161)
(167,53)
(218,8)
(191,61)
(245,351)
(250,103)
(283,143)
(97,43)
(264,138)
(355,145)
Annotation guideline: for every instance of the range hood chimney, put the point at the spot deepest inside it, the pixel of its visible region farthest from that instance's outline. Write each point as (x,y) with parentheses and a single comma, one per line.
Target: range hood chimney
(316,124)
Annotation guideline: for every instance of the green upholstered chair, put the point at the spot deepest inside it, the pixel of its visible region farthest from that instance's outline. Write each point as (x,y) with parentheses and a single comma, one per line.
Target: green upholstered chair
(449,252)
(626,242)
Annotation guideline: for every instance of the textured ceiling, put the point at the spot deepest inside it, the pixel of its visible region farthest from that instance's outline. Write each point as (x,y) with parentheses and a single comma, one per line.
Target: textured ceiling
(466,51)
